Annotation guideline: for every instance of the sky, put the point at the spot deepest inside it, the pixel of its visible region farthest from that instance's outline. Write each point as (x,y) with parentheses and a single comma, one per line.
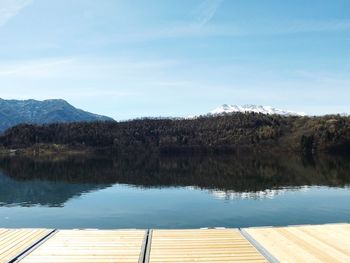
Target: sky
(149,58)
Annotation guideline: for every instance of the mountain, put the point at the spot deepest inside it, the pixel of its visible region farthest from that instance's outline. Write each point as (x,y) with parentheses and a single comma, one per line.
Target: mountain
(253,108)
(13,112)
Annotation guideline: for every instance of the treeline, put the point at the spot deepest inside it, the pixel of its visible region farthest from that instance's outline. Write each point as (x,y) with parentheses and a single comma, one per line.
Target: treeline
(219,134)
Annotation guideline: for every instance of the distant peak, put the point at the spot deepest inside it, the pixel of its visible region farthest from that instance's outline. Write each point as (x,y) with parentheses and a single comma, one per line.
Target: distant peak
(42,112)
(60,101)
(225,108)
(56,100)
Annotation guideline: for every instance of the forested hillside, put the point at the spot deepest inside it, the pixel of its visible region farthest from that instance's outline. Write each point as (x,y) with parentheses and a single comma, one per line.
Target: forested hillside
(219,134)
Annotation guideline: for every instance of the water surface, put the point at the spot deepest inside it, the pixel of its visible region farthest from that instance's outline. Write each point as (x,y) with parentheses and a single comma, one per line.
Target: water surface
(173,192)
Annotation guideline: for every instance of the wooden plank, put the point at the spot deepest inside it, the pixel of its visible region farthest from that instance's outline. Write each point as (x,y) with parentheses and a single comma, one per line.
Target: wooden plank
(202,245)
(90,246)
(322,243)
(15,241)
(259,247)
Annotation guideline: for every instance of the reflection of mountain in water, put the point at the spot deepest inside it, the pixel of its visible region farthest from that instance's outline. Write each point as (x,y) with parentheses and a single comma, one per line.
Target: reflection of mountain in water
(39,192)
(264,194)
(52,182)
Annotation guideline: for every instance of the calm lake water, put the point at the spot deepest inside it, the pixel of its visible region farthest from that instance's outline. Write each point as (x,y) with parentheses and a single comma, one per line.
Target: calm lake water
(173,192)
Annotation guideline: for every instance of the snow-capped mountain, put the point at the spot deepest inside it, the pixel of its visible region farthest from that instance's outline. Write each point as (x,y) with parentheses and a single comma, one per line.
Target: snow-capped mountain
(225,108)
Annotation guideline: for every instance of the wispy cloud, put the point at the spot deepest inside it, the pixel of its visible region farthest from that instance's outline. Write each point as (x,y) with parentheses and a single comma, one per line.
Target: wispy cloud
(305,26)
(339,79)
(197,27)
(81,68)
(209,30)
(10,8)
(33,68)
(206,11)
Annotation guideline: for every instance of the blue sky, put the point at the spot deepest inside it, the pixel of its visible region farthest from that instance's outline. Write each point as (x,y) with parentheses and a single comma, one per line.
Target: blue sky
(136,58)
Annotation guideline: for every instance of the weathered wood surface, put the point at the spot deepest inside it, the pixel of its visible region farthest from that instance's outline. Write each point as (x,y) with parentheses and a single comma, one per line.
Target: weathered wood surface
(322,243)
(89,246)
(202,245)
(15,241)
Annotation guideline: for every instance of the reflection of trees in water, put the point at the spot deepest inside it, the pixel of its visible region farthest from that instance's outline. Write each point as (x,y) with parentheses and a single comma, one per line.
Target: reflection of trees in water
(52,182)
(40,192)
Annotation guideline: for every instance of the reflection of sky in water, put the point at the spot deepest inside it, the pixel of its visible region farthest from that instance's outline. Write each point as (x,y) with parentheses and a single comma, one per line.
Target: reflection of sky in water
(122,206)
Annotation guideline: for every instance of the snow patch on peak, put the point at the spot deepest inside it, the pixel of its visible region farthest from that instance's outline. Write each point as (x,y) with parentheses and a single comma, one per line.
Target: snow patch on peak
(225,108)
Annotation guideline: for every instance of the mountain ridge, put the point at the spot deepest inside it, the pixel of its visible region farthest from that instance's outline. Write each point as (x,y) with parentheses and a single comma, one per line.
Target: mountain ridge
(13,112)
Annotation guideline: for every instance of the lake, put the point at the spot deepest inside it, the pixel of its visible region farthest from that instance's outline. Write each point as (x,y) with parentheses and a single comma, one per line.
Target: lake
(148,191)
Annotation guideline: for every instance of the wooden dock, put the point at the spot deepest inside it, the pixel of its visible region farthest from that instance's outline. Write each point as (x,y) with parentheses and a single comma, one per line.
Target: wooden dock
(321,243)
(203,245)
(93,246)
(15,241)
